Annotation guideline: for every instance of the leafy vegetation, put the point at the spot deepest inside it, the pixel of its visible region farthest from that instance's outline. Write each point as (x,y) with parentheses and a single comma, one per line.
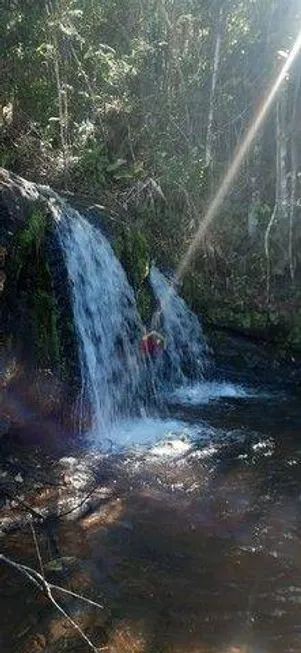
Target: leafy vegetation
(142,105)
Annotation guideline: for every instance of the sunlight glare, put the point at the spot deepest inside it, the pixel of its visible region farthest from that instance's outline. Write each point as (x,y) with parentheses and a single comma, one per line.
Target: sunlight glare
(237,162)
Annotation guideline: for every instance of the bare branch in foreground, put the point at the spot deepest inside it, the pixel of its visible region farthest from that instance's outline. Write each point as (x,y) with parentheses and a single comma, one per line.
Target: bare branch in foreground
(39,581)
(34,537)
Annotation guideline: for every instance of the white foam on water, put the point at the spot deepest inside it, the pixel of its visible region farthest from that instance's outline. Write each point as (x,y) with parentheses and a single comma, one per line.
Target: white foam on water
(144,432)
(205,392)
(171,448)
(156,437)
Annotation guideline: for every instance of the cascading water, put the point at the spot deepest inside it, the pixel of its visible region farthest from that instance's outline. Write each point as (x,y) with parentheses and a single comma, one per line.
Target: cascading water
(186,346)
(106,319)
(116,383)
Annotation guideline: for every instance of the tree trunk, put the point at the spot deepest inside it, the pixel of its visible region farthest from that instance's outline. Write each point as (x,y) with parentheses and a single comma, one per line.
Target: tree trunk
(280,211)
(255,198)
(215,72)
(282,145)
(294,165)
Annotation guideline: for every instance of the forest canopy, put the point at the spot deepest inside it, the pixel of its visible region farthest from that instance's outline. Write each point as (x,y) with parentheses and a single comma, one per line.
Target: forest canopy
(140,106)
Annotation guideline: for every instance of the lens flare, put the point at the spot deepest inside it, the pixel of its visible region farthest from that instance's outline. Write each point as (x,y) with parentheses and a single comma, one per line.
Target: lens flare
(234,168)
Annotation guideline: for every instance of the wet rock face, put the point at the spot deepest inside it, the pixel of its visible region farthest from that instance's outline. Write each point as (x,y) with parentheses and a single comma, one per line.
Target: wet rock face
(3,254)
(36,323)
(4,426)
(61,292)
(16,199)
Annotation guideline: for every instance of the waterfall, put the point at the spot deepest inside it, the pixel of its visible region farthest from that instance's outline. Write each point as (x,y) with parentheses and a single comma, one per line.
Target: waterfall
(105,317)
(186,355)
(116,383)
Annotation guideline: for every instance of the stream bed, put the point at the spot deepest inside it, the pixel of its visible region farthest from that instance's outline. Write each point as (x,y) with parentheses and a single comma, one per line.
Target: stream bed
(187,532)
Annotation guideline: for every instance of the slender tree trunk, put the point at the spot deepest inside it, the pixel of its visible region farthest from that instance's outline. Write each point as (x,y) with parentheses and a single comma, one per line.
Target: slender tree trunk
(294,164)
(172,38)
(276,205)
(282,144)
(255,199)
(215,72)
(280,211)
(63,109)
(292,206)
(61,95)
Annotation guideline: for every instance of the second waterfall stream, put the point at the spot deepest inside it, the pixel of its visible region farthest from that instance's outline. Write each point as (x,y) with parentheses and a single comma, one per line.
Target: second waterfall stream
(109,327)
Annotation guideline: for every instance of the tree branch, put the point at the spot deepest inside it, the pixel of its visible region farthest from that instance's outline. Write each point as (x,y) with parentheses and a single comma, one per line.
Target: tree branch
(42,584)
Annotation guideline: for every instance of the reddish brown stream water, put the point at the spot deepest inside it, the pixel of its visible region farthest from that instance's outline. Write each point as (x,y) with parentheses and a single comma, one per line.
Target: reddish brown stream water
(191,547)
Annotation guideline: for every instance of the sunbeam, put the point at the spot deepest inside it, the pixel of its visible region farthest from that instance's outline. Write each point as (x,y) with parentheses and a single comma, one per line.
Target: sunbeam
(234,168)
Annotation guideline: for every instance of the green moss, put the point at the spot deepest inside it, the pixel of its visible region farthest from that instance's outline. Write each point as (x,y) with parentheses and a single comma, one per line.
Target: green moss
(32,237)
(29,242)
(45,313)
(145,303)
(132,250)
(35,315)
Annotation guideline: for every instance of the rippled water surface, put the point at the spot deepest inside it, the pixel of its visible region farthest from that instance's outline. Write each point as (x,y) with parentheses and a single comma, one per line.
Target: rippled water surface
(193,545)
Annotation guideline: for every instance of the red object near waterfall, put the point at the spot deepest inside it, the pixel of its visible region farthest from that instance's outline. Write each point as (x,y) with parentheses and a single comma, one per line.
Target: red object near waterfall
(152,344)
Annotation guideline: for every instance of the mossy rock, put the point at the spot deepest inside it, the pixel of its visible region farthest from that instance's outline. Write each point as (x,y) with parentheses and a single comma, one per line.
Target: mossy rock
(146,302)
(132,250)
(30,300)
(46,318)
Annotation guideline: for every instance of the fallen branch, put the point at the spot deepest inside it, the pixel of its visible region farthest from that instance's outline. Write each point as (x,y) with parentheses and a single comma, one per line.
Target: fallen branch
(35,539)
(80,504)
(53,515)
(44,586)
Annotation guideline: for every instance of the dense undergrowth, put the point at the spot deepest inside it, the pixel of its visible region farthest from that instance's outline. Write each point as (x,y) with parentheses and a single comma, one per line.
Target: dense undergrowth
(138,108)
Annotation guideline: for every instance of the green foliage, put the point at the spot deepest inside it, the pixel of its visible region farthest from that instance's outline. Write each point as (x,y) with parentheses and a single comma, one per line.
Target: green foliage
(111,99)
(32,237)
(8,157)
(260,214)
(95,172)
(263,214)
(91,168)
